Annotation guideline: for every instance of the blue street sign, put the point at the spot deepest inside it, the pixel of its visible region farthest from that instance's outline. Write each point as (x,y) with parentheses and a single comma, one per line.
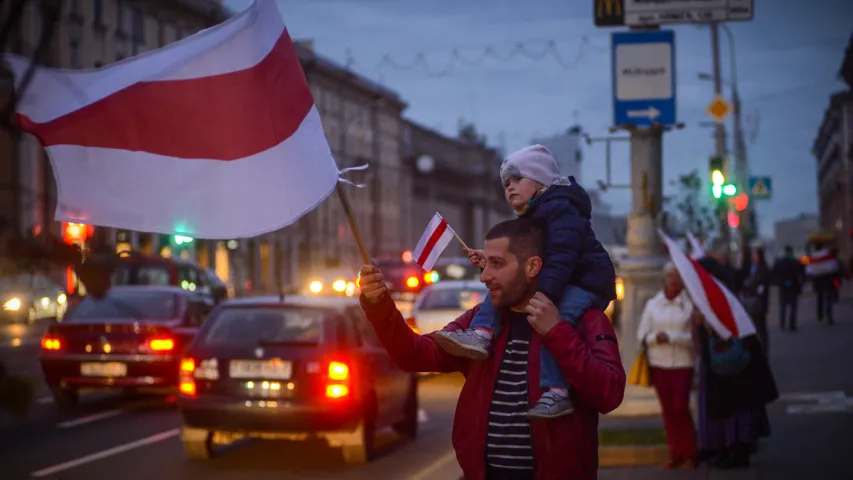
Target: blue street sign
(643,78)
(760,188)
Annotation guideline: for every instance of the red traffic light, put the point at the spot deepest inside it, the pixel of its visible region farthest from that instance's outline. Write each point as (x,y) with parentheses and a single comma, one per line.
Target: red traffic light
(734,220)
(740,202)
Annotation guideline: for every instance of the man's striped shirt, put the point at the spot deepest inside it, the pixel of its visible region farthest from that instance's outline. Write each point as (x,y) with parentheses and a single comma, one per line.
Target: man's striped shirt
(509,443)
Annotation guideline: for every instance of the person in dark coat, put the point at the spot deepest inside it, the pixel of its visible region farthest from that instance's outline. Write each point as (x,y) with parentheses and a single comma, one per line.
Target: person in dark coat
(789,276)
(577,273)
(732,407)
(755,293)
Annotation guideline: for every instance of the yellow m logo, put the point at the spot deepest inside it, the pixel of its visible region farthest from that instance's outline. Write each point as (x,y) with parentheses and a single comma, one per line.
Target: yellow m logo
(609,7)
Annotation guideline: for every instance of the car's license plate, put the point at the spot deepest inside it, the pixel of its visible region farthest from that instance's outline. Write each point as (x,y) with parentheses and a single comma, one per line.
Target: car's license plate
(272,369)
(103,369)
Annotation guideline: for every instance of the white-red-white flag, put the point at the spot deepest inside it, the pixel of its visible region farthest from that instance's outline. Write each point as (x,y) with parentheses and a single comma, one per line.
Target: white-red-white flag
(721,308)
(696,249)
(214,136)
(435,239)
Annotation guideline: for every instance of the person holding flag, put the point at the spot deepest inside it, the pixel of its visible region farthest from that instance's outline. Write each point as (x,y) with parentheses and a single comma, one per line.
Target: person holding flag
(577,274)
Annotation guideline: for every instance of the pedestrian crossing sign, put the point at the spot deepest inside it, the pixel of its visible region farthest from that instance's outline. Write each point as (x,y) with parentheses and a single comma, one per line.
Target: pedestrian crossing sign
(760,188)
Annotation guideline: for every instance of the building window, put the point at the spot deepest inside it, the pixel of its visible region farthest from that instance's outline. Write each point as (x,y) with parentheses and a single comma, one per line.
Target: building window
(98,12)
(74,46)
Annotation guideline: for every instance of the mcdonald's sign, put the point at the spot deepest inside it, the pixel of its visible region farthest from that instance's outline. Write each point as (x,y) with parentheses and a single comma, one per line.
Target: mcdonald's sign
(609,13)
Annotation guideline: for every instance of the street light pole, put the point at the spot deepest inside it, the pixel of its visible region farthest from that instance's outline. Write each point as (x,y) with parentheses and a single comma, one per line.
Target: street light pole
(745,228)
(720,148)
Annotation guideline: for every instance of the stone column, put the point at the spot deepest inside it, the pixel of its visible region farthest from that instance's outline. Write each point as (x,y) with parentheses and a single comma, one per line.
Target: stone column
(642,270)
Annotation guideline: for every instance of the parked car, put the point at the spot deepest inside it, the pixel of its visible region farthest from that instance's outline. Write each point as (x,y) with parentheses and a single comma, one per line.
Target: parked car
(133,338)
(304,367)
(444,302)
(27,298)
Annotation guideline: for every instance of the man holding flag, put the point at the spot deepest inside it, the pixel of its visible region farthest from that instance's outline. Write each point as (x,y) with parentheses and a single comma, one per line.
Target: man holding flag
(486,427)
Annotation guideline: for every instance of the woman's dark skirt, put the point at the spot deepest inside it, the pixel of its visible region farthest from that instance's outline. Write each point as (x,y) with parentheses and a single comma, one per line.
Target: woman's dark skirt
(742,428)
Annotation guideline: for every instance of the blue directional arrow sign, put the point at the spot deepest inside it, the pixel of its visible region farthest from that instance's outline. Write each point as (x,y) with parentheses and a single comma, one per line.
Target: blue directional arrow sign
(760,188)
(644,78)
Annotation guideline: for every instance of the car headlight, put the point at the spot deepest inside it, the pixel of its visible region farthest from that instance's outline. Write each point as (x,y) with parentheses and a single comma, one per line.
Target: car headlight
(45,302)
(339,286)
(315,287)
(12,305)
(61,299)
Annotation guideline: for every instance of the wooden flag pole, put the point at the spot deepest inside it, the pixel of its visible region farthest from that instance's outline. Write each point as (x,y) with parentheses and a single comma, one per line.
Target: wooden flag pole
(353,225)
(460,240)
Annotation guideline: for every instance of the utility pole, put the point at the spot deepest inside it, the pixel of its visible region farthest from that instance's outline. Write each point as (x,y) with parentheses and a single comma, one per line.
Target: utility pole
(720,148)
(745,229)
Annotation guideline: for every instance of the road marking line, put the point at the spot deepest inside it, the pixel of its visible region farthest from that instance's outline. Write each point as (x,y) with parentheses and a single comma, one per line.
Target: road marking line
(811,396)
(434,467)
(107,453)
(422,416)
(89,419)
(44,400)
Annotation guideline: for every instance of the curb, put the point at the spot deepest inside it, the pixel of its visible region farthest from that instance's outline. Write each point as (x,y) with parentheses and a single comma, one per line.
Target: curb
(632,456)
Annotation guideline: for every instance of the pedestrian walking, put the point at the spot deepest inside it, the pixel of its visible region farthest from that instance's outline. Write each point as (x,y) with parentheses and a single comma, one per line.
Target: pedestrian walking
(788,276)
(822,269)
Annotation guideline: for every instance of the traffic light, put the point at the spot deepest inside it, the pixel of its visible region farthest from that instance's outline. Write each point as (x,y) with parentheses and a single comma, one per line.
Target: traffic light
(182,239)
(719,187)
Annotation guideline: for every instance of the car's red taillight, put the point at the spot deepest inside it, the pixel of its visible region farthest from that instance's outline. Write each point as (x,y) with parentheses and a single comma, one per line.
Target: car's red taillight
(50,342)
(339,375)
(187,382)
(162,344)
(413,282)
(337,391)
(338,371)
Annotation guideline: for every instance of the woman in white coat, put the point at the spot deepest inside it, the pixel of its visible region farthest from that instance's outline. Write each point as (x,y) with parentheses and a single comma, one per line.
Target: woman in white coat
(666,332)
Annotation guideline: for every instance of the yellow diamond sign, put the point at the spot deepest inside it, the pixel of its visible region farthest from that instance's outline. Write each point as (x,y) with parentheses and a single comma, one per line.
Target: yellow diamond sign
(718,109)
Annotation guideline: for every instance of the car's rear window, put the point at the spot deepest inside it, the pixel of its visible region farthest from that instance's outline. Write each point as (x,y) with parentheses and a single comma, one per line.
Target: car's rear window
(452,298)
(264,325)
(141,274)
(124,305)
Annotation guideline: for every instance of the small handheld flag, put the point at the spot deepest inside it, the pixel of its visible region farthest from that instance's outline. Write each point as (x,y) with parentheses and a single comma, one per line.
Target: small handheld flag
(433,242)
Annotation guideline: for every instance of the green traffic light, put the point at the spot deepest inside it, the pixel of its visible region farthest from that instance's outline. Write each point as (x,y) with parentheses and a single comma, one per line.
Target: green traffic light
(729,190)
(717,191)
(182,239)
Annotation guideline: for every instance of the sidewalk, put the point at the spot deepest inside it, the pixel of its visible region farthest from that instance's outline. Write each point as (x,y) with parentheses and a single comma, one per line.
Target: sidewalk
(811,422)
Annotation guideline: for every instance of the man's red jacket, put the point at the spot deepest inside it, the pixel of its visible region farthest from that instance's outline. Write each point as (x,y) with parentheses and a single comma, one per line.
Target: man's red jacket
(565,448)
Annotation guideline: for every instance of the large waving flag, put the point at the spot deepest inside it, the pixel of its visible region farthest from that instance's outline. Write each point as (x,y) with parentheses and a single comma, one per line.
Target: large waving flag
(721,308)
(215,136)
(696,250)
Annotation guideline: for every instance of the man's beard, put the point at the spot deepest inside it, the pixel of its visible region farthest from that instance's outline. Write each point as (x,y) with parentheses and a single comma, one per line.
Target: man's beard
(516,291)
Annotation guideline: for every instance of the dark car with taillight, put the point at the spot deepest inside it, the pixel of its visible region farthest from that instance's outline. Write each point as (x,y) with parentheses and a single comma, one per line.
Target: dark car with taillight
(293,368)
(132,338)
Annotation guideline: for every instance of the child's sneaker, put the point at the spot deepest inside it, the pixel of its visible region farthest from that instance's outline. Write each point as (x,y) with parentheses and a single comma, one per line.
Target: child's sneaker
(552,405)
(464,343)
